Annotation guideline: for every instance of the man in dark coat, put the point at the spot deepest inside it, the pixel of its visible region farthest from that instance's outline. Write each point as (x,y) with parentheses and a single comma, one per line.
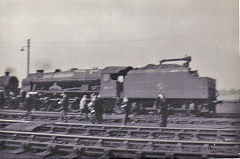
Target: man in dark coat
(98,109)
(21,98)
(161,103)
(12,100)
(2,99)
(29,103)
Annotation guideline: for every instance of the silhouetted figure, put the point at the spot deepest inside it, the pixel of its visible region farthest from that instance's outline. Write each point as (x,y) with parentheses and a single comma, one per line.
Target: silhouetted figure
(55,87)
(29,103)
(12,100)
(64,102)
(163,106)
(126,107)
(98,109)
(38,102)
(83,109)
(22,99)
(91,107)
(2,99)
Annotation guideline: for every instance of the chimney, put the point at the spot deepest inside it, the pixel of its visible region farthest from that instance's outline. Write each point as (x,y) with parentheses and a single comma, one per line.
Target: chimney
(57,70)
(7,73)
(40,71)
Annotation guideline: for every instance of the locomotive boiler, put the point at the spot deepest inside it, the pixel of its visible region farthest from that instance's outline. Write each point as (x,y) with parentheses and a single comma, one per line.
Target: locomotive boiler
(74,82)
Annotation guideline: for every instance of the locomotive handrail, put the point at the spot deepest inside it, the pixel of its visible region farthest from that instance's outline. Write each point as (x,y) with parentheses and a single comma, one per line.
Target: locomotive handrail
(188,59)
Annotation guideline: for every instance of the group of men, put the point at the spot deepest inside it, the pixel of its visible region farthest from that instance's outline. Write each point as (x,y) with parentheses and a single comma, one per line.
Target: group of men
(27,101)
(92,105)
(160,104)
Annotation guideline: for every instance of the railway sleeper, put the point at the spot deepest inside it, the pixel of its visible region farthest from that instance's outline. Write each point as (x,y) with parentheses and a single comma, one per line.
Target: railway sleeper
(98,132)
(59,129)
(7,136)
(139,145)
(218,148)
(23,137)
(160,135)
(235,123)
(229,138)
(81,131)
(50,150)
(159,155)
(114,143)
(192,147)
(42,138)
(167,146)
(12,145)
(122,154)
(86,141)
(186,136)
(207,137)
(118,133)
(184,156)
(93,152)
(169,130)
(64,140)
(137,134)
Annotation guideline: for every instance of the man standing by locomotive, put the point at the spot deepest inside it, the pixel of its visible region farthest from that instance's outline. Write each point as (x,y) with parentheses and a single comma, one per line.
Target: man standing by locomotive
(163,106)
(126,107)
(83,107)
(21,99)
(2,99)
(64,102)
(12,101)
(29,103)
(98,109)
(91,107)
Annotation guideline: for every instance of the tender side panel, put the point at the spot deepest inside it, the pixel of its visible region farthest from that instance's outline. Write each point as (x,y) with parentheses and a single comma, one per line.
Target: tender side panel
(211,88)
(175,85)
(108,89)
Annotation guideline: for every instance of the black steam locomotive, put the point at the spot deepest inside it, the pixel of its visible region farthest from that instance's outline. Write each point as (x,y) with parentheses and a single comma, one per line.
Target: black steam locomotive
(180,85)
(8,84)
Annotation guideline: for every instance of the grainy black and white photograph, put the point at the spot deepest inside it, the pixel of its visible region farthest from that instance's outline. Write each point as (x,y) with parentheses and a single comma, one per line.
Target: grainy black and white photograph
(134,79)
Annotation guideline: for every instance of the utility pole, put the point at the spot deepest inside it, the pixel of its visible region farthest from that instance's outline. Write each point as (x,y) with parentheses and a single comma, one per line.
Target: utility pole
(28,55)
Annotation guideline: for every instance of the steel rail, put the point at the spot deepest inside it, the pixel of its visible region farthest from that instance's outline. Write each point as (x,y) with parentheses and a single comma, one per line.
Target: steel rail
(124,144)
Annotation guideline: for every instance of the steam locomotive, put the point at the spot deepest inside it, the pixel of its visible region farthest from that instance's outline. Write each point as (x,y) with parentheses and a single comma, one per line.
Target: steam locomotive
(8,84)
(180,85)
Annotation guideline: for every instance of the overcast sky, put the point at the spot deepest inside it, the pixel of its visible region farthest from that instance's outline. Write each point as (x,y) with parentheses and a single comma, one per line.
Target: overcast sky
(99,33)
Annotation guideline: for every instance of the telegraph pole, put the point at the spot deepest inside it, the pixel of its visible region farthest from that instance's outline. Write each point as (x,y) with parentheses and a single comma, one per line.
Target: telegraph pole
(28,56)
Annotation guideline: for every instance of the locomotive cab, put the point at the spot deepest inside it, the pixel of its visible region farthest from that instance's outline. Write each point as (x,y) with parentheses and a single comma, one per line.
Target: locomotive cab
(111,91)
(112,81)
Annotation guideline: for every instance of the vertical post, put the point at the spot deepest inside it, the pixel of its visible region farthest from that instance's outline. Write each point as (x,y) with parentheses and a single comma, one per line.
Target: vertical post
(28,56)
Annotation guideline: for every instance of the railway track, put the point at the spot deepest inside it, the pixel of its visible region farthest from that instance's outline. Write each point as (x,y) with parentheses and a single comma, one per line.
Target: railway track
(151,120)
(48,144)
(189,134)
